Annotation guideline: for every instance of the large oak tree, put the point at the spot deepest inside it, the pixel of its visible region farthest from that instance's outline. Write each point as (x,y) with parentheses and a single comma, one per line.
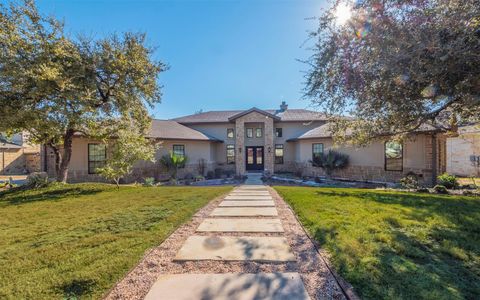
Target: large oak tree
(55,86)
(394,65)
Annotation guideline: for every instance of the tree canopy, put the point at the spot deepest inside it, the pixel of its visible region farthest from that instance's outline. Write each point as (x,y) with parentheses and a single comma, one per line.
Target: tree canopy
(55,86)
(394,65)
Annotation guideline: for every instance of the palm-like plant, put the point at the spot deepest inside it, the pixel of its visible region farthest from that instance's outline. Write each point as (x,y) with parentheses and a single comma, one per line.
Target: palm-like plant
(173,162)
(330,161)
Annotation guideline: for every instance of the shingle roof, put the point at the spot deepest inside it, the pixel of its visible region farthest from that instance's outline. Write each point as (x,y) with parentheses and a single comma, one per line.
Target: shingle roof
(323,131)
(167,129)
(4,144)
(223,116)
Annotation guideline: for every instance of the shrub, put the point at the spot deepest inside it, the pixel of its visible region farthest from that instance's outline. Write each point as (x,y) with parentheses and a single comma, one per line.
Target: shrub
(188,176)
(447,180)
(172,163)
(210,174)
(330,161)
(201,166)
(37,180)
(318,179)
(199,178)
(410,181)
(440,189)
(218,172)
(149,181)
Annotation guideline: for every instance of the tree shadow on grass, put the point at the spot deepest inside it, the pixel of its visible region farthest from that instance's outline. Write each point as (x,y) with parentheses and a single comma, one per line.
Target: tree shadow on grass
(444,266)
(21,196)
(77,288)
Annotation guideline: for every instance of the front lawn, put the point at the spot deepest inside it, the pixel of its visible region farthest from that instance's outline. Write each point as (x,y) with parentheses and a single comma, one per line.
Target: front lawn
(77,240)
(392,245)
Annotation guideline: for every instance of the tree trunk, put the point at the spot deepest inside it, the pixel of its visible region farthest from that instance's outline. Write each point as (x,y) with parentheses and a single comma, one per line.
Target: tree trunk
(67,154)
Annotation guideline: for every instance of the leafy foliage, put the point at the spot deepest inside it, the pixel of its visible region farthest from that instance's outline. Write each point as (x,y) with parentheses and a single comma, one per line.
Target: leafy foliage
(395,65)
(55,87)
(448,181)
(441,189)
(127,148)
(172,163)
(330,161)
(149,182)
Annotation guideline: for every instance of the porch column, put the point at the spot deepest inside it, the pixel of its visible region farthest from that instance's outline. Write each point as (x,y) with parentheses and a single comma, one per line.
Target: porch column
(269,146)
(240,146)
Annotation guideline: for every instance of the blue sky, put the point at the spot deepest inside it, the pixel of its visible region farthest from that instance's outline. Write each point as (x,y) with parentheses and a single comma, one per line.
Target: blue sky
(222,54)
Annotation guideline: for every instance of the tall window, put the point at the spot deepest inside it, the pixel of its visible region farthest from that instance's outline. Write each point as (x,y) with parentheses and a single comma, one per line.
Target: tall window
(393,156)
(97,155)
(230,133)
(258,132)
(230,154)
(249,132)
(278,132)
(279,154)
(179,150)
(317,150)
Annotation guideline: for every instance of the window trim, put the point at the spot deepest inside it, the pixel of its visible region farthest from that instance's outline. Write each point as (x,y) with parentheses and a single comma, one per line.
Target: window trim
(257,130)
(233,133)
(246,133)
(276,132)
(178,145)
(90,171)
(283,154)
(385,157)
(232,148)
(313,147)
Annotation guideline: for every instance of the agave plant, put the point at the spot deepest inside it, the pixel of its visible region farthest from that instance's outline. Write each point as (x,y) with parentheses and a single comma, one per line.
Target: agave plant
(173,162)
(330,161)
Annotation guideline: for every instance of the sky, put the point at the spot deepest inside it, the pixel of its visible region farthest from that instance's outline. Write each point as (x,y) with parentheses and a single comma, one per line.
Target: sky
(222,54)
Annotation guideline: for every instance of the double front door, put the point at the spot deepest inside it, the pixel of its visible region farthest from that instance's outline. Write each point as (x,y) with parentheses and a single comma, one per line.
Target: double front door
(254,159)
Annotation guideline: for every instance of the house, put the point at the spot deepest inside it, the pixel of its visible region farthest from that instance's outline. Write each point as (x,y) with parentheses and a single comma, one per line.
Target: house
(273,141)
(18,156)
(463,152)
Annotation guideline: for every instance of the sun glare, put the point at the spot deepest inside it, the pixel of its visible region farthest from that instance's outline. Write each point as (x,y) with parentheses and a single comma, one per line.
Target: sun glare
(343,12)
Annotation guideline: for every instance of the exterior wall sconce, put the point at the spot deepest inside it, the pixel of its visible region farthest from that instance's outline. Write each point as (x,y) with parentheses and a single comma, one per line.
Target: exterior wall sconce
(269,149)
(239,149)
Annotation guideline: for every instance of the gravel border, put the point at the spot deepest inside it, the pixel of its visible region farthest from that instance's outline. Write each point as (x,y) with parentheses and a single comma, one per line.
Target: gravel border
(319,281)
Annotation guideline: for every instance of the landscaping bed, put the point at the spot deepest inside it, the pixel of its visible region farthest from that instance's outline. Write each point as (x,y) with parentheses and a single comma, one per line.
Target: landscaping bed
(77,240)
(395,245)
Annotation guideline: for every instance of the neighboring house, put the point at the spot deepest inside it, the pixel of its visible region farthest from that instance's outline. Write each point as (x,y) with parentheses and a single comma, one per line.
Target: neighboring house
(18,156)
(282,140)
(463,152)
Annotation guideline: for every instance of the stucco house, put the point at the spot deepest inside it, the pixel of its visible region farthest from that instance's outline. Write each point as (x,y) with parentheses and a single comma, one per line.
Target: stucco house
(272,140)
(17,155)
(463,152)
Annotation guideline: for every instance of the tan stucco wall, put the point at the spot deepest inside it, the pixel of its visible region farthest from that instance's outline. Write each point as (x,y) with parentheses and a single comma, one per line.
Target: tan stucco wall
(414,155)
(459,150)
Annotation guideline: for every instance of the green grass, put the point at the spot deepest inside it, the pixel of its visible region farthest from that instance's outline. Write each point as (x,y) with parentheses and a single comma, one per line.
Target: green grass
(76,241)
(392,245)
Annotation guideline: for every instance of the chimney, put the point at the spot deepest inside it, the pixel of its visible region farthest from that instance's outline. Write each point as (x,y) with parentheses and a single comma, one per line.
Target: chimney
(283,106)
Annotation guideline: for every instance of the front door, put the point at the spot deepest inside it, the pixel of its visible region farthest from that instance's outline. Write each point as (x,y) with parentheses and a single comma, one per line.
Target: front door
(254,158)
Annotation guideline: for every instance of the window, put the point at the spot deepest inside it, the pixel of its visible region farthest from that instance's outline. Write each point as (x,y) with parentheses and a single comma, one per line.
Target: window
(249,132)
(278,132)
(279,154)
(230,133)
(230,154)
(258,132)
(97,155)
(317,150)
(393,156)
(179,150)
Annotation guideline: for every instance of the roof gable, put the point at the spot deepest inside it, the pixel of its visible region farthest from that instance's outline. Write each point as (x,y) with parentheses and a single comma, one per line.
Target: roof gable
(254,109)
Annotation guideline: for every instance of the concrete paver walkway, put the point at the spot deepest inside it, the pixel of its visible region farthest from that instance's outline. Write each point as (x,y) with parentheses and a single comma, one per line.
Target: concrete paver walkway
(234,249)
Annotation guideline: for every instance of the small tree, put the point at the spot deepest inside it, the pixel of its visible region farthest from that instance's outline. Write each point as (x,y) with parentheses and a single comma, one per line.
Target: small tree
(173,162)
(331,161)
(127,149)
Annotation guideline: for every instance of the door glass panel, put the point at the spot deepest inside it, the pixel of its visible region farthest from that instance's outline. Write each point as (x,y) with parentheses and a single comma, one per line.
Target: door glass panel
(250,156)
(259,156)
